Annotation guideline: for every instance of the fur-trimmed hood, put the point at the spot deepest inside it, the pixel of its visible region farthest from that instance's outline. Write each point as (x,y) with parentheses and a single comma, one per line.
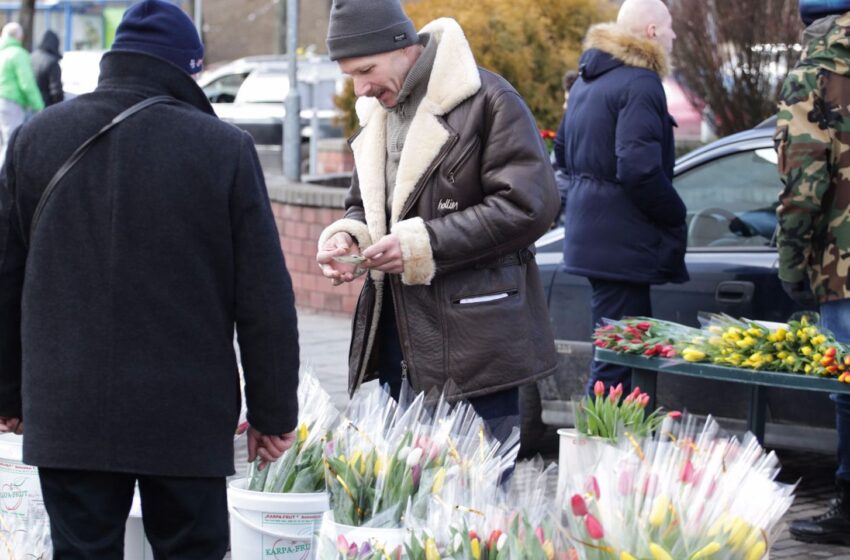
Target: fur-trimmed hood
(615,41)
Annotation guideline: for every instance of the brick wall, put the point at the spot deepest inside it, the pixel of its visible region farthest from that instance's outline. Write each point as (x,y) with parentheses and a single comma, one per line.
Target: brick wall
(301,213)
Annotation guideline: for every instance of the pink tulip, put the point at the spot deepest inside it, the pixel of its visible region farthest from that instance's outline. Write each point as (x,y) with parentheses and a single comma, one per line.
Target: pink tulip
(540,536)
(624,484)
(593,486)
(578,504)
(594,527)
(341,544)
(643,400)
(599,389)
(687,472)
(674,414)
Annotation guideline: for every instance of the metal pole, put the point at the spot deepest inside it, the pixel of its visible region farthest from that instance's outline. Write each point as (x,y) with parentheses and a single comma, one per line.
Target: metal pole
(199,18)
(292,124)
(314,127)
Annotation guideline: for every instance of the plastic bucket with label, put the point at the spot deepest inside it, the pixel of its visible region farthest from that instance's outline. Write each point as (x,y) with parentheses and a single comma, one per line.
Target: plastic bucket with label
(273,526)
(20,497)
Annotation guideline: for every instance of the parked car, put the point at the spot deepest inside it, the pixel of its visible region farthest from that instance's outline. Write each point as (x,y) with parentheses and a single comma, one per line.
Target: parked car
(730,188)
(250,93)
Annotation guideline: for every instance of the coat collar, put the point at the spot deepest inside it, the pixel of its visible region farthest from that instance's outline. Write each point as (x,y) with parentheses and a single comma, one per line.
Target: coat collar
(632,51)
(454,78)
(150,75)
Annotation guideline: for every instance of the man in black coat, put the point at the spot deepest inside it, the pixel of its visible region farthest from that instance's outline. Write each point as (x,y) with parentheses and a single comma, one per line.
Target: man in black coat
(119,296)
(48,73)
(624,224)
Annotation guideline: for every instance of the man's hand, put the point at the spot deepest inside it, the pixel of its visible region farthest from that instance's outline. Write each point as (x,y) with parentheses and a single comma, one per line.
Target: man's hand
(11,425)
(338,245)
(800,293)
(267,448)
(385,255)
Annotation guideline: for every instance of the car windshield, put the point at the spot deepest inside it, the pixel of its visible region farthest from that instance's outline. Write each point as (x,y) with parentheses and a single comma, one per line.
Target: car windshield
(732,200)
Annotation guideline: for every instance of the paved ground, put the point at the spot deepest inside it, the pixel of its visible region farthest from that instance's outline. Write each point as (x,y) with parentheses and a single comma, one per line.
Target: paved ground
(324,349)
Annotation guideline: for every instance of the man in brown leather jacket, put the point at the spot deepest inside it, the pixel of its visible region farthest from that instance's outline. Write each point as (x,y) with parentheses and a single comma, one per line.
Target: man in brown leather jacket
(451,189)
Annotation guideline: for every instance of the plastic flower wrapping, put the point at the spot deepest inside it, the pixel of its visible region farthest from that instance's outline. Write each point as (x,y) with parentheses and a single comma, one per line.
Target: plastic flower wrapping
(300,469)
(689,492)
(385,461)
(25,538)
(796,347)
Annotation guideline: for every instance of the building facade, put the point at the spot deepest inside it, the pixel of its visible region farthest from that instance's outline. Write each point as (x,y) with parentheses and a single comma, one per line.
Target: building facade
(252,27)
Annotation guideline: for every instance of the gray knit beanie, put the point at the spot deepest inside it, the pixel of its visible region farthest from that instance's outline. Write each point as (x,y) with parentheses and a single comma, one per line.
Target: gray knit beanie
(366,27)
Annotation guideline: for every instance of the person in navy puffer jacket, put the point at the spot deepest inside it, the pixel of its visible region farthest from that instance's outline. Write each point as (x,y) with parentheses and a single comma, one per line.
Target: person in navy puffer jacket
(624,223)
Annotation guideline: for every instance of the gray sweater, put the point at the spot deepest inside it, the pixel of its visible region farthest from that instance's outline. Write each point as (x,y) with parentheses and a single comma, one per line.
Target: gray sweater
(399,117)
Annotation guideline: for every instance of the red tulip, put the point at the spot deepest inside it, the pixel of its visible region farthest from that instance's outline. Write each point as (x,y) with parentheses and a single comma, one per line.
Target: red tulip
(643,401)
(674,414)
(598,388)
(644,326)
(594,527)
(578,504)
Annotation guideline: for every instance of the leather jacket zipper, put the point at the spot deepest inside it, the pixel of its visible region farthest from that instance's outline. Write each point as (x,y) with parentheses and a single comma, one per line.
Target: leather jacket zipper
(403,371)
(463,157)
(411,200)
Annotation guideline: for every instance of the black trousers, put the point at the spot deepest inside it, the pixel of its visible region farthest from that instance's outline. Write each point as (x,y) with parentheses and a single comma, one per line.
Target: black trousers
(499,410)
(184,518)
(615,300)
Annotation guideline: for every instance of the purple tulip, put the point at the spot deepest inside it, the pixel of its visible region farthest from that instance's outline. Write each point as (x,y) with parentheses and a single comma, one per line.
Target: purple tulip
(417,474)
(365,549)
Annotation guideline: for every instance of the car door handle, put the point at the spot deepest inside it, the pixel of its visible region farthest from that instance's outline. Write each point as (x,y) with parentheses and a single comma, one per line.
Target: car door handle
(734,292)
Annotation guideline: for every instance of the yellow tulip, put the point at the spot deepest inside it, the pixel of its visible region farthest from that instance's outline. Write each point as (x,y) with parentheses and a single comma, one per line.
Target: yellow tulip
(692,354)
(706,551)
(808,368)
(475,547)
(715,330)
(757,551)
(431,552)
(739,532)
(659,553)
(548,550)
(626,556)
(439,479)
(303,432)
(379,465)
(790,360)
(659,511)
(806,350)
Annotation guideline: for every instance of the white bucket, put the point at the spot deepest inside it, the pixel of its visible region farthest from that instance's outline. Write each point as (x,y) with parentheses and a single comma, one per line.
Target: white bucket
(576,453)
(272,526)
(386,539)
(20,496)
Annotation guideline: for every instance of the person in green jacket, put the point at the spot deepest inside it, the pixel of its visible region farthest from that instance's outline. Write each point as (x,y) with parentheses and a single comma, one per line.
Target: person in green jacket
(18,88)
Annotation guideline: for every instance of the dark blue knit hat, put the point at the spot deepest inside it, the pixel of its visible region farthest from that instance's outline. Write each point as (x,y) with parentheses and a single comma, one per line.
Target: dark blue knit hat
(163,30)
(812,10)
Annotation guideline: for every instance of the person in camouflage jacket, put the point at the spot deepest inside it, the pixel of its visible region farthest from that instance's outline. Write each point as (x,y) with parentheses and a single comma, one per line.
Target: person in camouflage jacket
(813,146)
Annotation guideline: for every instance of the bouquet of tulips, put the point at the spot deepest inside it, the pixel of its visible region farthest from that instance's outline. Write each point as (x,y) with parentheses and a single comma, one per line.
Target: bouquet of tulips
(797,347)
(392,468)
(642,335)
(687,493)
(611,416)
(301,468)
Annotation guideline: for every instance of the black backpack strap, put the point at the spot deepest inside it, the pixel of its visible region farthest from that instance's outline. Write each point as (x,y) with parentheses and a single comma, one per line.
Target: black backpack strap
(81,151)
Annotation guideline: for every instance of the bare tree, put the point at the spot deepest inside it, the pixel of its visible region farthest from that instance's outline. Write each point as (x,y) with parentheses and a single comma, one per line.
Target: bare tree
(734,55)
(27,17)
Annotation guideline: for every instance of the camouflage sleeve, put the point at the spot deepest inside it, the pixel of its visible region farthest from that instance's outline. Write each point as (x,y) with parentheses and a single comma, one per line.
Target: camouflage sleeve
(803,142)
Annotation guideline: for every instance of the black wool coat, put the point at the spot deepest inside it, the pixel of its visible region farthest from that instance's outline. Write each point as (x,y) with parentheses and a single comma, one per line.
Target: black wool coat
(117,323)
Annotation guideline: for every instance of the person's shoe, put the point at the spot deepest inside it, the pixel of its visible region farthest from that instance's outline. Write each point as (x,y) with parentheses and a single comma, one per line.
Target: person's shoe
(832,527)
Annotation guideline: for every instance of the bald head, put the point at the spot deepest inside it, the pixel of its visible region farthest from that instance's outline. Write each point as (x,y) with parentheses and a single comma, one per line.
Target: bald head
(648,19)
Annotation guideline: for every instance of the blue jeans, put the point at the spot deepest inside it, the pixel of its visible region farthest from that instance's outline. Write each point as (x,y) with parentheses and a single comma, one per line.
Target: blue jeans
(835,316)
